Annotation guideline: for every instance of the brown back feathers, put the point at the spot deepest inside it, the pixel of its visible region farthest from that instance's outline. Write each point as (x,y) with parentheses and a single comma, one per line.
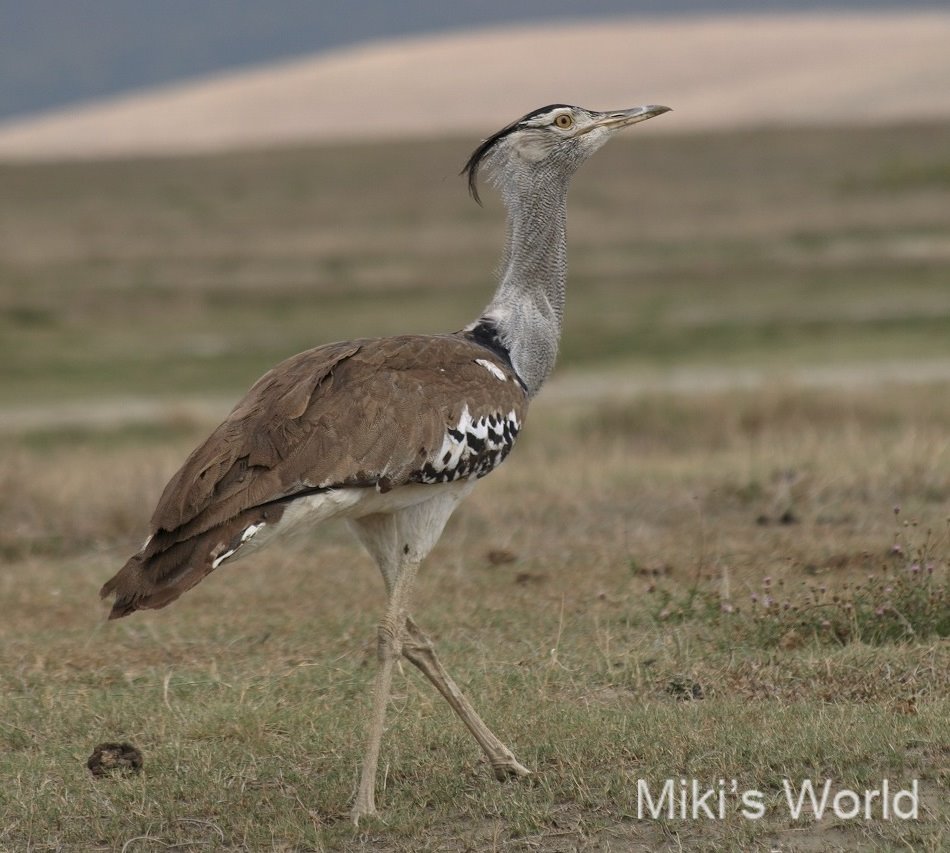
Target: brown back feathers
(370,413)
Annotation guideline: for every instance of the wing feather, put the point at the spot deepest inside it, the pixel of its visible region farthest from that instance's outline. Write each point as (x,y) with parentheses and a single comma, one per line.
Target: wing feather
(369,413)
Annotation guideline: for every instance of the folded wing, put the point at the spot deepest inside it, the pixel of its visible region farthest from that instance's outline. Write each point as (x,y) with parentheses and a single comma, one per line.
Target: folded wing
(374,414)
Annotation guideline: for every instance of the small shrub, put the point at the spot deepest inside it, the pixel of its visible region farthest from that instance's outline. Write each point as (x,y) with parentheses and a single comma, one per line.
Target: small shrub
(905,599)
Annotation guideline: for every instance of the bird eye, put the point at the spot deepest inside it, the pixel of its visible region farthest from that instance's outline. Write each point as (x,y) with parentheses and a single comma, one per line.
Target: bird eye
(563,121)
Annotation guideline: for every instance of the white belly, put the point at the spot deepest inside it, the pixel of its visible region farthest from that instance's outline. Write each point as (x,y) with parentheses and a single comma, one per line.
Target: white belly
(350,503)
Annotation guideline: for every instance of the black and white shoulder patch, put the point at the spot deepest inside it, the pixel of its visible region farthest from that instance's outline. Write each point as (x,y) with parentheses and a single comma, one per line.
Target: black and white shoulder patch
(472,448)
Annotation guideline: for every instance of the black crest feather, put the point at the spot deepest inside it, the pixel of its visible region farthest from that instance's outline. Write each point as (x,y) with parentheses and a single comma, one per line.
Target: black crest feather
(479,154)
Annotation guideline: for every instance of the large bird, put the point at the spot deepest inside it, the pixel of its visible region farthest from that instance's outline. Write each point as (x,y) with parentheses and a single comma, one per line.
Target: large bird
(389,433)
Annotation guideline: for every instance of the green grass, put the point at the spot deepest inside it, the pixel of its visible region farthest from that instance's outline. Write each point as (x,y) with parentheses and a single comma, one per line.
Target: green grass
(675,584)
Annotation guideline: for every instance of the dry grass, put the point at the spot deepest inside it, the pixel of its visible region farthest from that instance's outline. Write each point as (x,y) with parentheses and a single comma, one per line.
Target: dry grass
(667,585)
(248,697)
(180,277)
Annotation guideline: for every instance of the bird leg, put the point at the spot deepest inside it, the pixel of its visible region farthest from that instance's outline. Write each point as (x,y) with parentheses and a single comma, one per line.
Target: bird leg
(418,649)
(390,636)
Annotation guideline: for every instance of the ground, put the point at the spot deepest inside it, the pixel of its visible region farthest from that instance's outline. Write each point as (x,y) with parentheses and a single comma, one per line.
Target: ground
(719,551)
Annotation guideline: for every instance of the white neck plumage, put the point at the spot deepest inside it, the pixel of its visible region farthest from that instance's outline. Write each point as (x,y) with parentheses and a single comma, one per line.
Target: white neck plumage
(528,305)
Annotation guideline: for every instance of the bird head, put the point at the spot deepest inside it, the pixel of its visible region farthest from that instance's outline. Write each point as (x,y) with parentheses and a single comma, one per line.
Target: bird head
(551,141)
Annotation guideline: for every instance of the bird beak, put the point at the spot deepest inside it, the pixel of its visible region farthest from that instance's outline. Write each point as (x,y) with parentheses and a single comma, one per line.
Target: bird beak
(623,118)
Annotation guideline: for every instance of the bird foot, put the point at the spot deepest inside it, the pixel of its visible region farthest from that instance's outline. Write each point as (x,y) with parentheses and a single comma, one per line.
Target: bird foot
(509,768)
(362,810)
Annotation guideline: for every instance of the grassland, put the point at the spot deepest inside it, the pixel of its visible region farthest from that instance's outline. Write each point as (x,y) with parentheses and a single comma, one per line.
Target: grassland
(718,581)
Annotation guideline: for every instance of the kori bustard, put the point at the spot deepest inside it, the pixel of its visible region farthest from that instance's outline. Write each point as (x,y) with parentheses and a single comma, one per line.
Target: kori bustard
(389,433)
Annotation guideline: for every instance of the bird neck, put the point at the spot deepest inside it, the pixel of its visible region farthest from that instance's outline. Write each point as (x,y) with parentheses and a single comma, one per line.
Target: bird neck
(528,305)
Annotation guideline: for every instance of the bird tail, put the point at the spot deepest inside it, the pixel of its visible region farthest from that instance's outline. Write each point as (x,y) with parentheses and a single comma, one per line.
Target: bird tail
(172,562)
(151,581)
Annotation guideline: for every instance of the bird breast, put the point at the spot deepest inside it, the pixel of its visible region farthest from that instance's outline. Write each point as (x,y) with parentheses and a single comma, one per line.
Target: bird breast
(472,448)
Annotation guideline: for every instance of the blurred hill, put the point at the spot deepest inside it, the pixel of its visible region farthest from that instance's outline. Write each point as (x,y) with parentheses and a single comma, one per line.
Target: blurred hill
(58,52)
(716,71)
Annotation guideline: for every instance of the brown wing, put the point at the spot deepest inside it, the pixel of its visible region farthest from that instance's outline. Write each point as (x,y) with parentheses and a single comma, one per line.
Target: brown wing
(372,413)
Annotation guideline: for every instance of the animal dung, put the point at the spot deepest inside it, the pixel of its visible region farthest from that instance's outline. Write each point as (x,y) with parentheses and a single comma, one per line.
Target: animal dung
(685,689)
(110,758)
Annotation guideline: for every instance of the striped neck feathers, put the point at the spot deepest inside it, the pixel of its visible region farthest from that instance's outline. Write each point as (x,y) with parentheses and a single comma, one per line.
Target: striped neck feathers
(528,306)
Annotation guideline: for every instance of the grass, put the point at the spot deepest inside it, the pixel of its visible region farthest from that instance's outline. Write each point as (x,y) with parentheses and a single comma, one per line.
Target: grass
(801,246)
(718,582)
(622,635)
